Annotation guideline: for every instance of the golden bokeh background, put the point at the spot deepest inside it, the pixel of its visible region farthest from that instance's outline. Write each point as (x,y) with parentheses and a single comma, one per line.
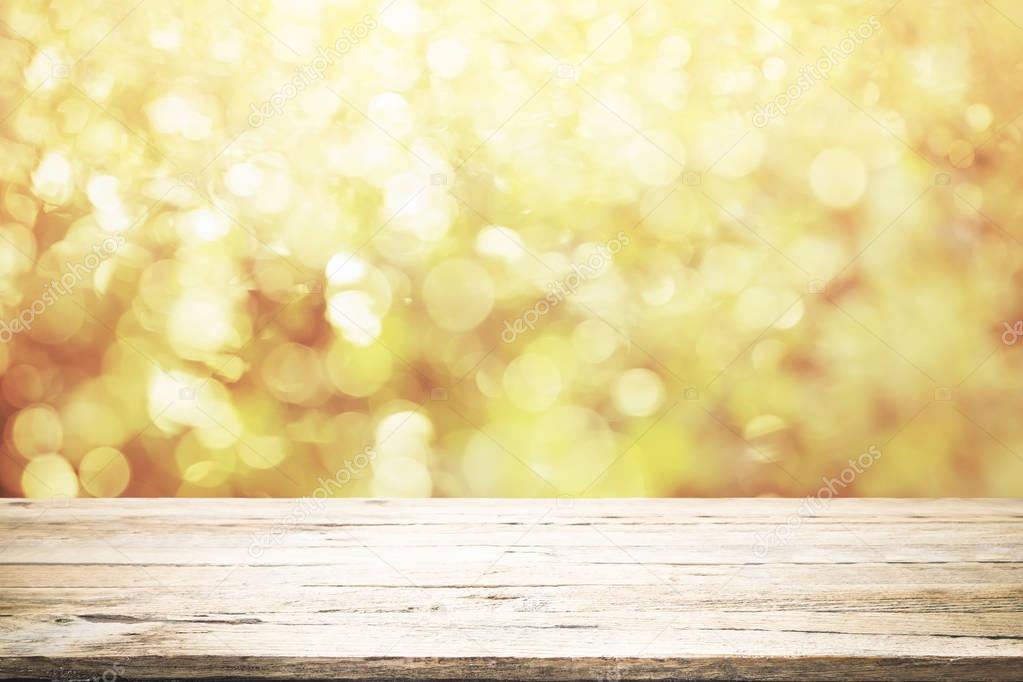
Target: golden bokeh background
(510,247)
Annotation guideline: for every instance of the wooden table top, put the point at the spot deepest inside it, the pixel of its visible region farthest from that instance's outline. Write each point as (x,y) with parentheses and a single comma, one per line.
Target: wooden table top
(512,589)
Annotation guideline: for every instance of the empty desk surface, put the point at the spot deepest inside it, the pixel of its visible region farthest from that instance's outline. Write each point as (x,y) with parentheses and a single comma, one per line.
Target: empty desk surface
(512,589)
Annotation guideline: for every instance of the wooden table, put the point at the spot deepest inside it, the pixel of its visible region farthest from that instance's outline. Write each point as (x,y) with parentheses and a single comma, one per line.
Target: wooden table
(512,589)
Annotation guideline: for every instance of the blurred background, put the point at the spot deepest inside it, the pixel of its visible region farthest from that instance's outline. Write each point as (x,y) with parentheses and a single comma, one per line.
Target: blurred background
(510,248)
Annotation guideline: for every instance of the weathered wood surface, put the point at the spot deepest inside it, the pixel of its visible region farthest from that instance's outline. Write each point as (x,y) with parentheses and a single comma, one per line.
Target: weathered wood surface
(512,589)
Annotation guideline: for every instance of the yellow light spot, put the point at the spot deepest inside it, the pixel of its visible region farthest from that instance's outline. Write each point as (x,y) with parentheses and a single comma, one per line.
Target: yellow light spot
(594,340)
(674,51)
(346,268)
(90,421)
(352,313)
(838,178)
(400,476)
(403,434)
(206,224)
(37,430)
(403,17)
(167,36)
(763,425)
(293,373)
(358,371)
(262,452)
(763,433)
(102,191)
(176,114)
(767,353)
(244,179)
(659,289)
(738,152)
(52,181)
(46,71)
(979,116)
(774,68)
(459,294)
(104,472)
(532,382)
(655,159)
(49,476)
(201,466)
(201,321)
(392,112)
(500,242)
(447,57)
(638,392)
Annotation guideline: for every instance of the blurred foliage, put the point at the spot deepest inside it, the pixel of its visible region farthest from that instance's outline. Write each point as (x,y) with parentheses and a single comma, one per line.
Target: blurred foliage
(513,248)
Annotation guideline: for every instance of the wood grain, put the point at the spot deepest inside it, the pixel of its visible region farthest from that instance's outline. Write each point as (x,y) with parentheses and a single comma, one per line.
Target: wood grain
(511,589)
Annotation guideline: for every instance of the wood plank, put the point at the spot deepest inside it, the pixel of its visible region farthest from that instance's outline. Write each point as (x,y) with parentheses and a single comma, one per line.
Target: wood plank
(511,589)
